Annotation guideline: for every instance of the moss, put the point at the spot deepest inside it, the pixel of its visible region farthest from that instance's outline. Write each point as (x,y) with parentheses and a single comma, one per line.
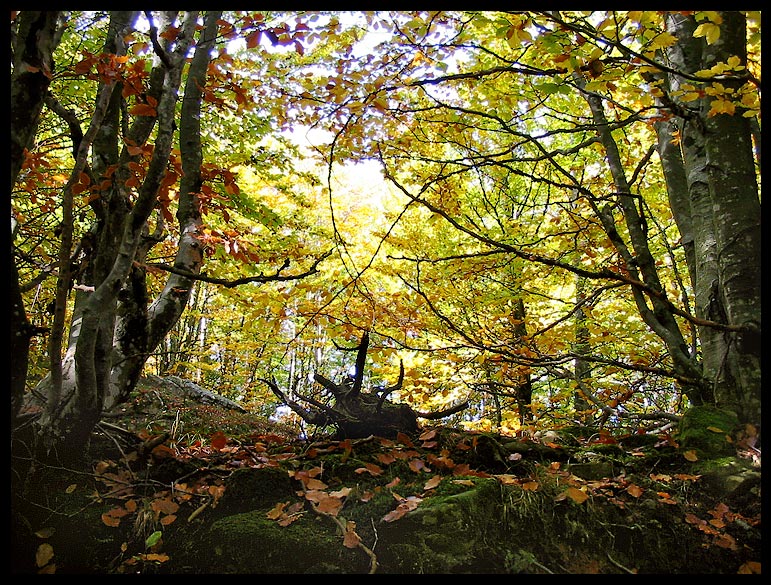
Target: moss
(707,430)
(252,543)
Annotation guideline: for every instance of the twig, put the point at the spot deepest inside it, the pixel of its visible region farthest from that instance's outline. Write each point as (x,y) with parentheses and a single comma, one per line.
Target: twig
(620,566)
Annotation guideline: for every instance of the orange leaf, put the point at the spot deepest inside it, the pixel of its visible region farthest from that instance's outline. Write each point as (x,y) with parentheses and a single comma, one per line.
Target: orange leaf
(110,521)
(143,110)
(576,495)
(218,440)
(531,486)
(166,520)
(634,490)
(750,568)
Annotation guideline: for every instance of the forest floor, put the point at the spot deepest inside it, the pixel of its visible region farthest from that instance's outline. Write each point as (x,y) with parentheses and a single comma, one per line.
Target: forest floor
(171,485)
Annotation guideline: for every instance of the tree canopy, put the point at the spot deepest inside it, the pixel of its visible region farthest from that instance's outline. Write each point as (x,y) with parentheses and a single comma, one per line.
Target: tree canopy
(554,217)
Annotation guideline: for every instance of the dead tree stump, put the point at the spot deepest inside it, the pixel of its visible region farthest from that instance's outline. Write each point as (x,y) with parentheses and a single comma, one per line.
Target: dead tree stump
(355,413)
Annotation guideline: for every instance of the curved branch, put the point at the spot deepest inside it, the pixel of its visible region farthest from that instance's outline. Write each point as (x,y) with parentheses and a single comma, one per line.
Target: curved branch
(276,277)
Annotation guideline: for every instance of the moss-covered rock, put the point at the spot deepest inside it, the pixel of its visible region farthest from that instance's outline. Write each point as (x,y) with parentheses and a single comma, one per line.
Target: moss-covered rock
(707,431)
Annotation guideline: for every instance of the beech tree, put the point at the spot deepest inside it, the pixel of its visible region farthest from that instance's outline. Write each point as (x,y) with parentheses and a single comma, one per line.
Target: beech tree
(138,167)
(493,120)
(572,214)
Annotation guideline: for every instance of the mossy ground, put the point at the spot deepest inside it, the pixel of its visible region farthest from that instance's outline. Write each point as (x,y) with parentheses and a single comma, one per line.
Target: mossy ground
(471,507)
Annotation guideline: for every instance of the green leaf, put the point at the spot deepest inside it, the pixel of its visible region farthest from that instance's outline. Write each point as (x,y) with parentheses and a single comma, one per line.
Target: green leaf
(153,539)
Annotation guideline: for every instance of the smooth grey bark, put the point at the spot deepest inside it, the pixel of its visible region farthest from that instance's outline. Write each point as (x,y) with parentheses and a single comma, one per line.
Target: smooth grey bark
(653,306)
(140,328)
(721,209)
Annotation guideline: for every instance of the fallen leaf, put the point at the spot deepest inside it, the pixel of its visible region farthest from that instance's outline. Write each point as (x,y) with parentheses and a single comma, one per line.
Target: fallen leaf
(45,532)
(165,506)
(45,552)
(750,568)
(218,440)
(427,435)
(691,455)
(507,479)
(350,538)
(314,484)
(370,468)
(433,482)
(418,465)
(168,519)
(575,494)
(634,490)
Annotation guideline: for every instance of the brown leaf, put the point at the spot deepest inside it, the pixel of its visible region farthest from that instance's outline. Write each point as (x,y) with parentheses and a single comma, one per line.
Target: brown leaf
(404,440)
(314,484)
(634,490)
(691,455)
(165,506)
(218,440)
(427,435)
(330,505)
(418,465)
(45,532)
(350,538)
(750,568)
(433,482)
(370,468)
(385,458)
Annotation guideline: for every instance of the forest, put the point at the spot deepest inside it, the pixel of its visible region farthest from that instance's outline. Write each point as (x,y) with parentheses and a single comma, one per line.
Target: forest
(258,250)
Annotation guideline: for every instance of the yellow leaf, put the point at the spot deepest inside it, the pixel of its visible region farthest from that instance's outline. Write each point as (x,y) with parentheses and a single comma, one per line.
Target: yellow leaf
(721,106)
(691,455)
(708,30)
(663,40)
(690,96)
(715,430)
(45,552)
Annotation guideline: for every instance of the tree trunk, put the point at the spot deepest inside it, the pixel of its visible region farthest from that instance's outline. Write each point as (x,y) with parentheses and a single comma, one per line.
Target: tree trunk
(721,209)
(113,330)
(36,38)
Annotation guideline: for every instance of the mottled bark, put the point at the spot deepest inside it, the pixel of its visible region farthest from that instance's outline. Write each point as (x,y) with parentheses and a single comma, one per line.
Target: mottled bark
(113,329)
(721,209)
